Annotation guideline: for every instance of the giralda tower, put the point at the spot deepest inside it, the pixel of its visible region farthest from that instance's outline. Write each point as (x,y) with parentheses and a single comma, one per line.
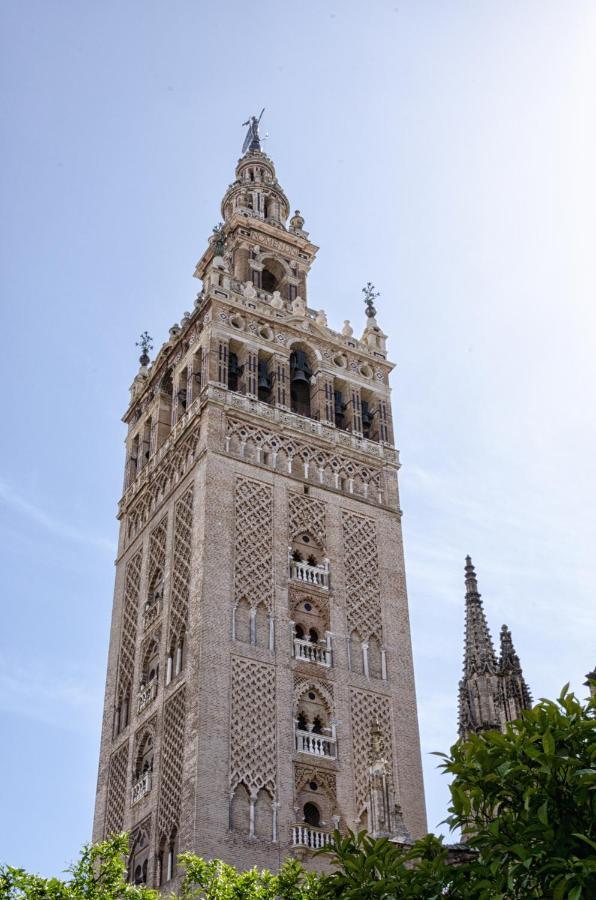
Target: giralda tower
(260,689)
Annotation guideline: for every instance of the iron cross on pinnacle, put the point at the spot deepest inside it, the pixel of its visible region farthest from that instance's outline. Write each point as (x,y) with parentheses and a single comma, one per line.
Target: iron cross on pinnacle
(370,295)
(145,342)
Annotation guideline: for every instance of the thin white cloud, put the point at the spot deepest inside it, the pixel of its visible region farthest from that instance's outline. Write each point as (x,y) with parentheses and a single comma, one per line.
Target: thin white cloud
(54,526)
(48,696)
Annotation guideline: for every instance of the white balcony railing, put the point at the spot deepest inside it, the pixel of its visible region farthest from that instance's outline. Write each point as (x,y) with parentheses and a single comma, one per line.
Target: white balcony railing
(307,836)
(146,694)
(316,744)
(142,787)
(313,576)
(150,613)
(317,653)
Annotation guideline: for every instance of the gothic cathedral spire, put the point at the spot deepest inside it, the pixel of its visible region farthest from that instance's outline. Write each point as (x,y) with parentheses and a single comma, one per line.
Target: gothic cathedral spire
(491,692)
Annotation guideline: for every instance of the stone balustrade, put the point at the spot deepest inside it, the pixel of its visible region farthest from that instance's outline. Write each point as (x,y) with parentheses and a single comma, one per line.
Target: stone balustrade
(147,693)
(316,744)
(142,787)
(312,576)
(307,836)
(317,653)
(151,613)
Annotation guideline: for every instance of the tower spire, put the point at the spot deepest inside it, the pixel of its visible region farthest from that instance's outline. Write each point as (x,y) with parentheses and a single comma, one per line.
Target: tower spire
(478,687)
(479,654)
(491,692)
(514,692)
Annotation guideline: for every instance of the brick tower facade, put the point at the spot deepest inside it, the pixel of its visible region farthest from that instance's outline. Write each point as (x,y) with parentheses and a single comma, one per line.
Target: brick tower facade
(260,687)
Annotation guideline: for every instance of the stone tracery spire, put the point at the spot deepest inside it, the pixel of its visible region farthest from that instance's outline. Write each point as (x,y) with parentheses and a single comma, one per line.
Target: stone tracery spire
(514,692)
(491,692)
(479,651)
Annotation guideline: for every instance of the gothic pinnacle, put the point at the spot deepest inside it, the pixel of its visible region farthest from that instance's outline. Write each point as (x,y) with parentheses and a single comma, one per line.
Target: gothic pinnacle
(508,660)
(479,653)
(471,581)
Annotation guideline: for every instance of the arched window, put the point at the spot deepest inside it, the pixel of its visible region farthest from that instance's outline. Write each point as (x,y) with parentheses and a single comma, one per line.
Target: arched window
(242,621)
(356,660)
(312,816)
(313,636)
(264,382)
(122,711)
(234,371)
(139,858)
(240,811)
(300,375)
(171,857)
(299,632)
(375,667)
(268,281)
(261,626)
(144,761)
(151,663)
(264,816)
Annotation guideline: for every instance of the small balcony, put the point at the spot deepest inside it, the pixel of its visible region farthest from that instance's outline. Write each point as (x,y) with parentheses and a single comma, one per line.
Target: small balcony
(309,837)
(151,613)
(317,744)
(142,787)
(311,652)
(147,693)
(311,576)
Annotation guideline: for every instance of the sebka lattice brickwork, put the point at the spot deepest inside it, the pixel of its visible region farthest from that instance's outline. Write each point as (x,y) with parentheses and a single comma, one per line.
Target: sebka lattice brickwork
(260,684)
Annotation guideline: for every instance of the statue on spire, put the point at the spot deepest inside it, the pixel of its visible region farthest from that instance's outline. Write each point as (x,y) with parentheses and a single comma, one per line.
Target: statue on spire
(252,141)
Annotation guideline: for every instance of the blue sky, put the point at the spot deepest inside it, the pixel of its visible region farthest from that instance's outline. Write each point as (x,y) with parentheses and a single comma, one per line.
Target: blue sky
(444,151)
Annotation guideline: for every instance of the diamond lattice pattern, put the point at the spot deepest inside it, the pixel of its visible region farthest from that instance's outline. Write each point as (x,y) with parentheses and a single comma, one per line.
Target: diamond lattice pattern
(116,791)
(171,766)
(126,662)
(181,566)
(252,738)
(363,592)
(253,565)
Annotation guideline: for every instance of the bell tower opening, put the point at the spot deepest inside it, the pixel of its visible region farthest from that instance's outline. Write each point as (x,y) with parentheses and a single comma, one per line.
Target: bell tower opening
(300,384)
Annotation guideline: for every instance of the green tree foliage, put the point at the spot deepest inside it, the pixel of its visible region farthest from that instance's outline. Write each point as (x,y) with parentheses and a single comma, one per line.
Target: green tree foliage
(100,874)
(215,880)
(527,801)
(376,868)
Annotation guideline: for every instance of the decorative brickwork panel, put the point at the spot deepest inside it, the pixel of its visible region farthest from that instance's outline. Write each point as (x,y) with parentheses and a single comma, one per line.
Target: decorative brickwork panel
(252,729)
(316,463)
(161,478)
(363,589)
(253,563)
(368,710)
(130,614)
(307,515)
(181,567)
(323,777)
(170,789)
(157,550)
(116,791)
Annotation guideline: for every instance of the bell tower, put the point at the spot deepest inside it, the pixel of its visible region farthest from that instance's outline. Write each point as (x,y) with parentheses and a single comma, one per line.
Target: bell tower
(260,688)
